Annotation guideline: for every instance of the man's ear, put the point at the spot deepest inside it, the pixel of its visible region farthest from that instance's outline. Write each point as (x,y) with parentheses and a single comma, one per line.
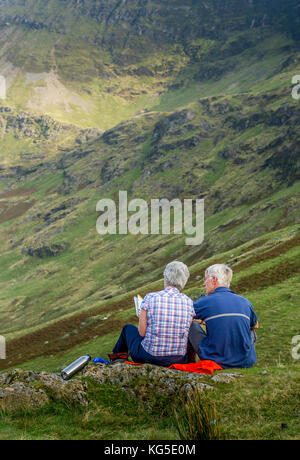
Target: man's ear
(215,280)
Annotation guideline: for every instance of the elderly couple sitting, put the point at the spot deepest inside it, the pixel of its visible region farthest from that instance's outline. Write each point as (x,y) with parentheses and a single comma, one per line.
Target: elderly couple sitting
(170,325)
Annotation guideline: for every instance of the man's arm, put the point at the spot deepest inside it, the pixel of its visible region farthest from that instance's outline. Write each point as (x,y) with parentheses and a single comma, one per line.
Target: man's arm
(253,318)
(199,307)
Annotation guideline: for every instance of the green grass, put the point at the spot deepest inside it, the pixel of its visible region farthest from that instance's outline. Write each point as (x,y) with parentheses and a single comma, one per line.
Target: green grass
(218,166)
(111,416)
(266,399)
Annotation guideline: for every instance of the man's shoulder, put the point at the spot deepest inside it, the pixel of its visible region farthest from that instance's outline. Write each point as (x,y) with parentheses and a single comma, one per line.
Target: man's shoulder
(240,298)
(202,301)
(222,291)
(217,296)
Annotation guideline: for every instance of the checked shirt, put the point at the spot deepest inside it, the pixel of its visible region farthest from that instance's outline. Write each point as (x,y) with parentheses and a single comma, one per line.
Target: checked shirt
(169,316)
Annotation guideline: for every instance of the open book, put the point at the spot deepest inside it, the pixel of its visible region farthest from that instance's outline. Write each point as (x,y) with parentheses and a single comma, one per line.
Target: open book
(138,302)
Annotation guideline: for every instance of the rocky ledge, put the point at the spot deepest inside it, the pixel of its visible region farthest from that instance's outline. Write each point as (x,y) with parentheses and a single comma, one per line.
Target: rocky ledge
(30,389)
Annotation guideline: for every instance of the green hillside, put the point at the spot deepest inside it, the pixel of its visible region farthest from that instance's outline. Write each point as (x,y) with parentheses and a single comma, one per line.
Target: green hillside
(162,100)
(242,163)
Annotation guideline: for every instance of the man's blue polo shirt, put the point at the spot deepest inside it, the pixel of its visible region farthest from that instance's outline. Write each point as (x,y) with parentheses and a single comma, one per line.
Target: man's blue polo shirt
(228,318)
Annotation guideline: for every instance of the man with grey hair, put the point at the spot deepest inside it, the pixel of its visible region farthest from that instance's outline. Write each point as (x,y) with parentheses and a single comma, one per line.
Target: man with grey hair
(164,323)
(230,321)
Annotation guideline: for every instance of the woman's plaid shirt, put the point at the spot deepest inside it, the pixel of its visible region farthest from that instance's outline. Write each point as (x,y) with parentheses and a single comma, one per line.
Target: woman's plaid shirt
(169,316)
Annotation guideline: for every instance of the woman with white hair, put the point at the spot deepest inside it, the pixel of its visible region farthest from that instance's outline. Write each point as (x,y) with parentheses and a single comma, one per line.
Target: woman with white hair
(164,323)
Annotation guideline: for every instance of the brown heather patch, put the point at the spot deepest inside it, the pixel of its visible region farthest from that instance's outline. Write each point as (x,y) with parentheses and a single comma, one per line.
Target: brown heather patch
(18,192)
(274,252)
(50,340)
(11,212)
(267,278)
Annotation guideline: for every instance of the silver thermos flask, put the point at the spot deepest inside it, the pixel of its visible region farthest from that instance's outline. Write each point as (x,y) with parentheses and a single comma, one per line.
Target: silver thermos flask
(75,367)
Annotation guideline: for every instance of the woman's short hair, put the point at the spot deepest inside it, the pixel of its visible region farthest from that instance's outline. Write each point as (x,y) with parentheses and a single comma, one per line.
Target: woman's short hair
(222,272)
(176,274)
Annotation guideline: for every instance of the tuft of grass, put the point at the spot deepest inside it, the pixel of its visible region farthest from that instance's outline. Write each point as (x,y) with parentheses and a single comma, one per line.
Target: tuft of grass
(197,420)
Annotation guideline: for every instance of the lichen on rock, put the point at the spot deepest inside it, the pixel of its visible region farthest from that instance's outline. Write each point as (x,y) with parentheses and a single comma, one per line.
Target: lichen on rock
(33,390)
(140,379)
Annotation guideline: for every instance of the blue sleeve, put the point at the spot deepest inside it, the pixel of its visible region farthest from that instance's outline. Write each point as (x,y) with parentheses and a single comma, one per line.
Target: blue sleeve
(199,308)
(253,317)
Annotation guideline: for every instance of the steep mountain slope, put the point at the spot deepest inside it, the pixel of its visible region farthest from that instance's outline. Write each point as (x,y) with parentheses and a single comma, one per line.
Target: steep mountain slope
(95,63)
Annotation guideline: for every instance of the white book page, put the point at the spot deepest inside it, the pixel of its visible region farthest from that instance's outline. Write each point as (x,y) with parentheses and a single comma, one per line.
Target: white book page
(138,302)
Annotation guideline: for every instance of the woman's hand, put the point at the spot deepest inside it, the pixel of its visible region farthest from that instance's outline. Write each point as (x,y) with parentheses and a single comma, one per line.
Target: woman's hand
(199,321)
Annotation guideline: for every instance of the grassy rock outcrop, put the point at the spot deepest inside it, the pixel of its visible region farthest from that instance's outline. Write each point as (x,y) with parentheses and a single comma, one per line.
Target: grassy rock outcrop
(28,389)
(167,382)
